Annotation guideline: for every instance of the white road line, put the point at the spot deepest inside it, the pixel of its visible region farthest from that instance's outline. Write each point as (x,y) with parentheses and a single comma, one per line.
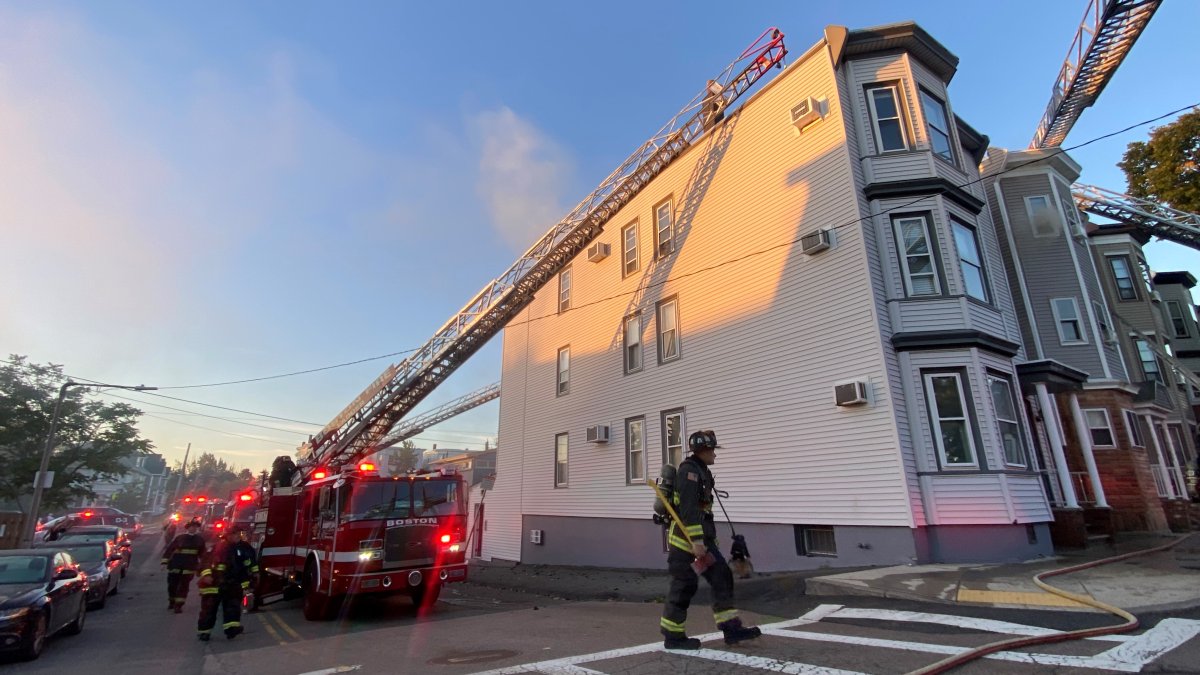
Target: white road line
(568,670)
(333,671)
(762,663)
(957,621)
(1165,636)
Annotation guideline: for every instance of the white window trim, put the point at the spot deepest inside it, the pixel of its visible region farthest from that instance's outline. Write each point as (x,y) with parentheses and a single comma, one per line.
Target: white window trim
(1128,260)
(899,101)
(922,94)
(666,450)
(566,462)
(674,303)
(1108,426)
(902,253)
(625,344)
(1104,319)
(626,256)
(1012,397)
(1032,223)
(1132,430)
(1182,319)
(658,238)
(1058,320)
(564,289)
(562,379)
(1158,365)
(983,275)
(936,430)
(629,450)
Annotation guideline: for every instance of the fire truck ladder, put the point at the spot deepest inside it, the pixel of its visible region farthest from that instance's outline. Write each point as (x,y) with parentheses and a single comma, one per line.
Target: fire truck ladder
(1155,219)
(408,428)
(1106,34)
(358,430)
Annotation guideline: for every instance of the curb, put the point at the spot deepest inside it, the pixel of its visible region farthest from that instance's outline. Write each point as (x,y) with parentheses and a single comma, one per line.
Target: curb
(822,586)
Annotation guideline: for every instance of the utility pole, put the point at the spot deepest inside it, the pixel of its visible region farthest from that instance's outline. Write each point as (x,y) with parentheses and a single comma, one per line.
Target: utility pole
(182,473)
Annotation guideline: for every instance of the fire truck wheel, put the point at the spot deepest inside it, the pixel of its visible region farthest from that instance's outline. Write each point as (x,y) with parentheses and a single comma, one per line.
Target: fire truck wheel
(426,596)
(318,606)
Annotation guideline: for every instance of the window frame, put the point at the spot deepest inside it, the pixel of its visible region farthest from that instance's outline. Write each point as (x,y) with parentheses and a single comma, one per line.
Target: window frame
(626,255)
(564,289)
(625,345)
(1181,319)
(1029,215)
(562,376)
(658,329)
(1016,421)
(803,541)
(982,268)
(873,115)
(565,460)
(923,95)
(1104,322)
(1078,319)
(629,451)
(902,255)
(1132,430)
(668,203)
(1158,369)
(666,447)
(1108,426)
(936,418)
(1112,268)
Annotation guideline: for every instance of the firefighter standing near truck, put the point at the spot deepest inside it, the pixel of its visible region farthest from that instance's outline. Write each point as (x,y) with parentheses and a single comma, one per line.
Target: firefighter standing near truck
(223,583)
(697,543)
(182,559)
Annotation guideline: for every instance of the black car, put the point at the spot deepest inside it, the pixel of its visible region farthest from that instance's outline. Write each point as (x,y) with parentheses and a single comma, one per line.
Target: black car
(100,561)
(100,533)
(42,591)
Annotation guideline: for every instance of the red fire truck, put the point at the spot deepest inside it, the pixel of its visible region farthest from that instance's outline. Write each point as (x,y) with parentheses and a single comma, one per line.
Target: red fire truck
(354,532)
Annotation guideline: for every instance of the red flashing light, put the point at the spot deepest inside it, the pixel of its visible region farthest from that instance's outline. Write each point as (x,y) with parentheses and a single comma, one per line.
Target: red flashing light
(88,514)
(445,539)
(187,500)
(174,516)
(219,525)
(245,497)
(319,474)
(202,499)
(366,466)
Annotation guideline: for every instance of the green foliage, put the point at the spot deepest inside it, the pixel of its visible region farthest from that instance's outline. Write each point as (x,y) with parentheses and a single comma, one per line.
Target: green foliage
(1166,169)
(93,436)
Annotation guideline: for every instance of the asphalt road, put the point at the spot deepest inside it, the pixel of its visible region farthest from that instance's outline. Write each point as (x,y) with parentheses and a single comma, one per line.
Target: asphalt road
(475,629)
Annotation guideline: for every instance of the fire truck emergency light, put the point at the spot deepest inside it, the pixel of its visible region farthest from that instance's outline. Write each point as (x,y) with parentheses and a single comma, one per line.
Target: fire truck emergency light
(319,474)
(445,539)
(202,499)
(366,466)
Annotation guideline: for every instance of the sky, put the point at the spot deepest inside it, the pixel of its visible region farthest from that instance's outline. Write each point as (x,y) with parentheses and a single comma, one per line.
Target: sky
(194,193)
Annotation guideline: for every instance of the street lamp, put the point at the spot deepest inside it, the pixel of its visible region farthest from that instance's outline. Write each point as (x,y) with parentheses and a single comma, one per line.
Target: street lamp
(39,480)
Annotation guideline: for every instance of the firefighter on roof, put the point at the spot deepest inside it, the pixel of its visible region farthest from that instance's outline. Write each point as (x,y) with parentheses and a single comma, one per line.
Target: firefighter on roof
(693,551)
(223,583)
(182,558)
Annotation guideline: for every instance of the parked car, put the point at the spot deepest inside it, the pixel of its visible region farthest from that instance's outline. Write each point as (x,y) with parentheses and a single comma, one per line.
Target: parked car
(100,561)
(101,533)
(103,515)
(42,591)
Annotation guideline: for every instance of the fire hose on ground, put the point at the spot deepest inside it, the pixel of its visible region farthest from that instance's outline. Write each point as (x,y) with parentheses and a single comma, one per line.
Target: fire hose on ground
(1131,621)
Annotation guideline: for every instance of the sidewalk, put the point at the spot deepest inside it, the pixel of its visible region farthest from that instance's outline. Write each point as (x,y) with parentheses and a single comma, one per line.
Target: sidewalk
(1160,581)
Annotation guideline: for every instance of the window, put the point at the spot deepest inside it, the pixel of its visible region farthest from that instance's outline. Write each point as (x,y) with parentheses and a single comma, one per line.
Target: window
(1149,361)
(668,330)
(564,371)
(948,407)
(1098,424)
(564,290)
(560,460)
(632,341)
(635,450)
(1104,321)
(1175,430)
(664,229)
(1071,211)
(672,435)
(1135,431)
(885,114)
(629,249)
(937,123)
(1006,419)
(916,256)
(1066,317)
(1175,312)
(815,540)
(1123,274)
(1041,218)
(969,260)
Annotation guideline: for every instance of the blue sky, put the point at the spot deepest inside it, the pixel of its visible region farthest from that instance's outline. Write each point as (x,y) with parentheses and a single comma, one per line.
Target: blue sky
(195,193)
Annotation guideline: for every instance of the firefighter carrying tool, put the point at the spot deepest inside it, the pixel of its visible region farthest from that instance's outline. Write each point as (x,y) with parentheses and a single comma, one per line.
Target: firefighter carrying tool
(230,567)
(182,559)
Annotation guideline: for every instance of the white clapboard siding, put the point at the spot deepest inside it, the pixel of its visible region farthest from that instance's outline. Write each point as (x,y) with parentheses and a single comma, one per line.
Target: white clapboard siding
(1029,499)
(968,499)
(896,167)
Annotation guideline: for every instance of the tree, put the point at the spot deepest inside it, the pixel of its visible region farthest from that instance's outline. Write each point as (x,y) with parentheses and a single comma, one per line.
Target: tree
(92,438)
(403,458)
(1166,168)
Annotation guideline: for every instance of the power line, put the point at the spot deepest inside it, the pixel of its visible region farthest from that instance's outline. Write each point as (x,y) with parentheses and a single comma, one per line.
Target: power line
(272,441)
(223,419)
(298,372)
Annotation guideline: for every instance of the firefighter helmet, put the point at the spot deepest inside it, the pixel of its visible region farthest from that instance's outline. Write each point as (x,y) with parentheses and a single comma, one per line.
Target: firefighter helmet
(702,440)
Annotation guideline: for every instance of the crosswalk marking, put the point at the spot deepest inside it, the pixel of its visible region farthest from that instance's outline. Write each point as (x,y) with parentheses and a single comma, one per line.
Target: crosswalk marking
(764,663)
(988,625)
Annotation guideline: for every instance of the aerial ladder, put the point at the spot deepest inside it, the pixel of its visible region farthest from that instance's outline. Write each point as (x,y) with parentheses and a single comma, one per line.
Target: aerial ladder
(360,428)
(1151,218)
(407,428)
(1105,35)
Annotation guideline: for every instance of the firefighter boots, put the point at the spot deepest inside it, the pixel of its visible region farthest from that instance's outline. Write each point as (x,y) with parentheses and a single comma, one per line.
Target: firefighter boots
(735,632)
(679,641)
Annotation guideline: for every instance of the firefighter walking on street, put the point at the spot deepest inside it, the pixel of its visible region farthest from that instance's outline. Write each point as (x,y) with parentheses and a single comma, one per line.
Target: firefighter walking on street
(182,559)
(223,583)
(696,548)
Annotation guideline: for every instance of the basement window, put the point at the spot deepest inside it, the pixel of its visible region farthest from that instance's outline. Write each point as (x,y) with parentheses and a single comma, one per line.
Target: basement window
(815,540)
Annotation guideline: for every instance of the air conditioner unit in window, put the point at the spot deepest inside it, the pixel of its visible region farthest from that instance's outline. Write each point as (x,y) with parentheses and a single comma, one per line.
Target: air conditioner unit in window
(597,434)
(535,536)
(816,242)
(805,113)
(850,393)
(598,251)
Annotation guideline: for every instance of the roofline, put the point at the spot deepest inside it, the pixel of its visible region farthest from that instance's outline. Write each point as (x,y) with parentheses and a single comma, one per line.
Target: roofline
(912,38)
